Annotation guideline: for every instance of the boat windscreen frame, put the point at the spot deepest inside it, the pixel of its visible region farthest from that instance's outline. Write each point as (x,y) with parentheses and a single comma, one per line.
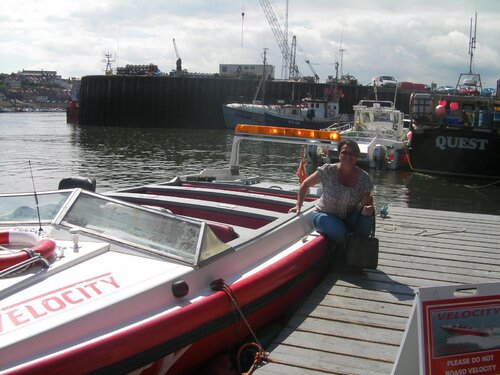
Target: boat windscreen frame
(139,227)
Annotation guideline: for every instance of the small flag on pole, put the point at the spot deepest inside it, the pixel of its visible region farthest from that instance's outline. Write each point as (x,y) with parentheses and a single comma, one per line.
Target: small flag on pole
(301,171)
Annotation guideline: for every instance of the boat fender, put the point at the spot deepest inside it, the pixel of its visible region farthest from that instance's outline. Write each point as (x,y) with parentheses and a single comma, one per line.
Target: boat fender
(310,113)
(78,182)
(45,247)
(379,156)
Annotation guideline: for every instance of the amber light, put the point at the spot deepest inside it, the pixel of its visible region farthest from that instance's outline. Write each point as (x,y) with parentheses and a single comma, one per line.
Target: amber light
(330,135)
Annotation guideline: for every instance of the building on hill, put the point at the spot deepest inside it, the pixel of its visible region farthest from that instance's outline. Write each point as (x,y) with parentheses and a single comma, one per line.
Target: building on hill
(47,74)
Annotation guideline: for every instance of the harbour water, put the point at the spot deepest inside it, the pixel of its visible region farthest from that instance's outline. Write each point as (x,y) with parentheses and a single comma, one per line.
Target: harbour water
(124,157)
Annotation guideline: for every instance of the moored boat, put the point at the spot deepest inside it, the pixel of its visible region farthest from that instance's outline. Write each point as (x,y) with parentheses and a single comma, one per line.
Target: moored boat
(456,135)
(154,279)
(379,130)
(308,114)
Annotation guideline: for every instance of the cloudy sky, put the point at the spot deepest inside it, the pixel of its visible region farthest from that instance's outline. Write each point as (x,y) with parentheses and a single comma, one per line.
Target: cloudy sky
(414,40)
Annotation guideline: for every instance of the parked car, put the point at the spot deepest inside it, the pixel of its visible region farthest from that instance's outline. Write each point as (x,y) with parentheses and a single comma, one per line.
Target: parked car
(384,81)
(447,89)
(413,86)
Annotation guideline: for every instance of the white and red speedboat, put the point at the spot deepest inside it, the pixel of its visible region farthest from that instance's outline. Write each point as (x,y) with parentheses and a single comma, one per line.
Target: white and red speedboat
(156,279)
(464,329)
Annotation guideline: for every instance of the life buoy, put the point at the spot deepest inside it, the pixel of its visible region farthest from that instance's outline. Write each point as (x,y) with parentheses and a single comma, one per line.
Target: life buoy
(45,247)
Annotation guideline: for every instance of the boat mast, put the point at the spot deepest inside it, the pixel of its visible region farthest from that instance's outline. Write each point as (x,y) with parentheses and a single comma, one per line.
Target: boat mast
(262,83)
(472,42)
(471,80)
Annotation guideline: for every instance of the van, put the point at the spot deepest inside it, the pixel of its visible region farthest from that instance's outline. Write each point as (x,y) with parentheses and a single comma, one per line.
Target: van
(384,81)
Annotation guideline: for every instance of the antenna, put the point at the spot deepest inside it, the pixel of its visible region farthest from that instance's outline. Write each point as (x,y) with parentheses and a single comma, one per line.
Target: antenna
(341,52)
(108,58)
(472,42)
(40,230)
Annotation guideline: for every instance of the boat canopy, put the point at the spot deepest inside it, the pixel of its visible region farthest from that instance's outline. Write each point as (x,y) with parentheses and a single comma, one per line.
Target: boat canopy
(148,230)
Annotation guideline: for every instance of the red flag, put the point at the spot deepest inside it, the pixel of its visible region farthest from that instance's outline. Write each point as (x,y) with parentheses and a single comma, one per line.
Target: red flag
(301,171)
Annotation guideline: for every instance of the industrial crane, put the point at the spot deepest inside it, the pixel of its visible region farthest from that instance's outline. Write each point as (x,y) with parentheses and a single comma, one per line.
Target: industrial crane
(281,37)
(178,63)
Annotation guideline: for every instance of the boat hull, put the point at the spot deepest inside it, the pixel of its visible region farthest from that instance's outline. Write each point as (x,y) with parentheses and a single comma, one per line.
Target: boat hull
(294,122)
(235,116)
(182,341)
(456,151)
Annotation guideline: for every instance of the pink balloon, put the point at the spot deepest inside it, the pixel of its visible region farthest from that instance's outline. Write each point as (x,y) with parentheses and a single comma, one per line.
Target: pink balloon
(454,106)
(440,110)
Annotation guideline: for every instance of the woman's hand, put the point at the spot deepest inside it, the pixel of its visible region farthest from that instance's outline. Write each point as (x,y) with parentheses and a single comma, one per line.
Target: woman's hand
(295,208)
(367,210)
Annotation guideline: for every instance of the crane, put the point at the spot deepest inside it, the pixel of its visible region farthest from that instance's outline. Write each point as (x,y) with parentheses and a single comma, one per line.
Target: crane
(316,77)
(289,68)
(178,63)
(280,36)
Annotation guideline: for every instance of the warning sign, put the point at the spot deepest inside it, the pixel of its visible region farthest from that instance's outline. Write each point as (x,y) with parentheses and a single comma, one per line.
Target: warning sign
(460,329)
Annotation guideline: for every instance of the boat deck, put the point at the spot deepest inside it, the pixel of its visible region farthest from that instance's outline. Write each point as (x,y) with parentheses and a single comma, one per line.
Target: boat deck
(354,323)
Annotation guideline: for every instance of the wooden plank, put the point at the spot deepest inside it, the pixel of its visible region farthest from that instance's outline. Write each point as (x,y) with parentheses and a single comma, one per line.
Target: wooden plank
(374,295)
(293,360)
(344,329)
(354,317)
(364,304)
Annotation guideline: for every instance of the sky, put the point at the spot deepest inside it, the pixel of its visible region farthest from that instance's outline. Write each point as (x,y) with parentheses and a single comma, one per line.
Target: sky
(419,41)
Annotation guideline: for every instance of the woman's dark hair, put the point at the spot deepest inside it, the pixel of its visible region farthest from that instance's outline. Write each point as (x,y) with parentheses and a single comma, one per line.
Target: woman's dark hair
(350,143)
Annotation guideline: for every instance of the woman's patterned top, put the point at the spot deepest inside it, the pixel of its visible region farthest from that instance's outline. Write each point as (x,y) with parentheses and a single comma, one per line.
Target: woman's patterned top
(338,199)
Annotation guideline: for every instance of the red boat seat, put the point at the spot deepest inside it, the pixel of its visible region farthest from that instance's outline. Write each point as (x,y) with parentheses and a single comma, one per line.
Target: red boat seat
(224,232)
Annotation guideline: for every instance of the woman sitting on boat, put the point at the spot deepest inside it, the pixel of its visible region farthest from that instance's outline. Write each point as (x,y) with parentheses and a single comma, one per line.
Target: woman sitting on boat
(346,204)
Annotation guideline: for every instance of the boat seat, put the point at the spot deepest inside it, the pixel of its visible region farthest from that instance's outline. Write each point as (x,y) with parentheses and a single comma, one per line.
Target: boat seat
(224,232)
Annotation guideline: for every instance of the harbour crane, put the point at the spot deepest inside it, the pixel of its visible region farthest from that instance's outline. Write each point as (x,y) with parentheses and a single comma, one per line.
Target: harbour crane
(280,35)
(178,63)
(276,22)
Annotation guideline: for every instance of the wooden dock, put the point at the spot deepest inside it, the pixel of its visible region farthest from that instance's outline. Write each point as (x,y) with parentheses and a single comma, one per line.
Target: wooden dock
(354,323)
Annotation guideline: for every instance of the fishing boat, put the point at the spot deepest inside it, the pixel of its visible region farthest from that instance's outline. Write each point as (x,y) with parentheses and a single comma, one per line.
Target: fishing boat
(457,134)
(308,114)
(157,278)
(379,130)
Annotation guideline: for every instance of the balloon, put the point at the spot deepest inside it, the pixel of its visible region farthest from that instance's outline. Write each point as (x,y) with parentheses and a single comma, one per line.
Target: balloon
(454,106)
(440,110)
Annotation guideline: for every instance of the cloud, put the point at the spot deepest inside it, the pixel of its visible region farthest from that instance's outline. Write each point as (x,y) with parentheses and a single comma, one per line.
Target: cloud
(420,41)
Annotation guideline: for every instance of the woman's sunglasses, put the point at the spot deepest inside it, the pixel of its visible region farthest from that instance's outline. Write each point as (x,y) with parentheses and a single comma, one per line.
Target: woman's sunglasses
(348,153)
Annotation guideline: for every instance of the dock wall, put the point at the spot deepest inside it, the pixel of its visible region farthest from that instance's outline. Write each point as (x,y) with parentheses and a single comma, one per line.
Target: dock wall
(194,102)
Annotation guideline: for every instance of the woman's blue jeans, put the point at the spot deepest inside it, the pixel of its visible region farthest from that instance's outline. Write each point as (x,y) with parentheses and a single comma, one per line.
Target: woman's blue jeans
(336,229)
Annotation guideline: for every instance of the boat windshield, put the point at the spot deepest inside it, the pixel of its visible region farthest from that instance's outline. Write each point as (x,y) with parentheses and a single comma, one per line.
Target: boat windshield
(164,233)
(23,207)
(187,240)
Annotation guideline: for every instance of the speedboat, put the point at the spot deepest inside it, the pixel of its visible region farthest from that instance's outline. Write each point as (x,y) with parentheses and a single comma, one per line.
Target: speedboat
(154,279)
(463,329)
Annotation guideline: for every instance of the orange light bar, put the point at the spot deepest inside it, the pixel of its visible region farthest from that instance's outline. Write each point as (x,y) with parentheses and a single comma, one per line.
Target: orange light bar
(329,135)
